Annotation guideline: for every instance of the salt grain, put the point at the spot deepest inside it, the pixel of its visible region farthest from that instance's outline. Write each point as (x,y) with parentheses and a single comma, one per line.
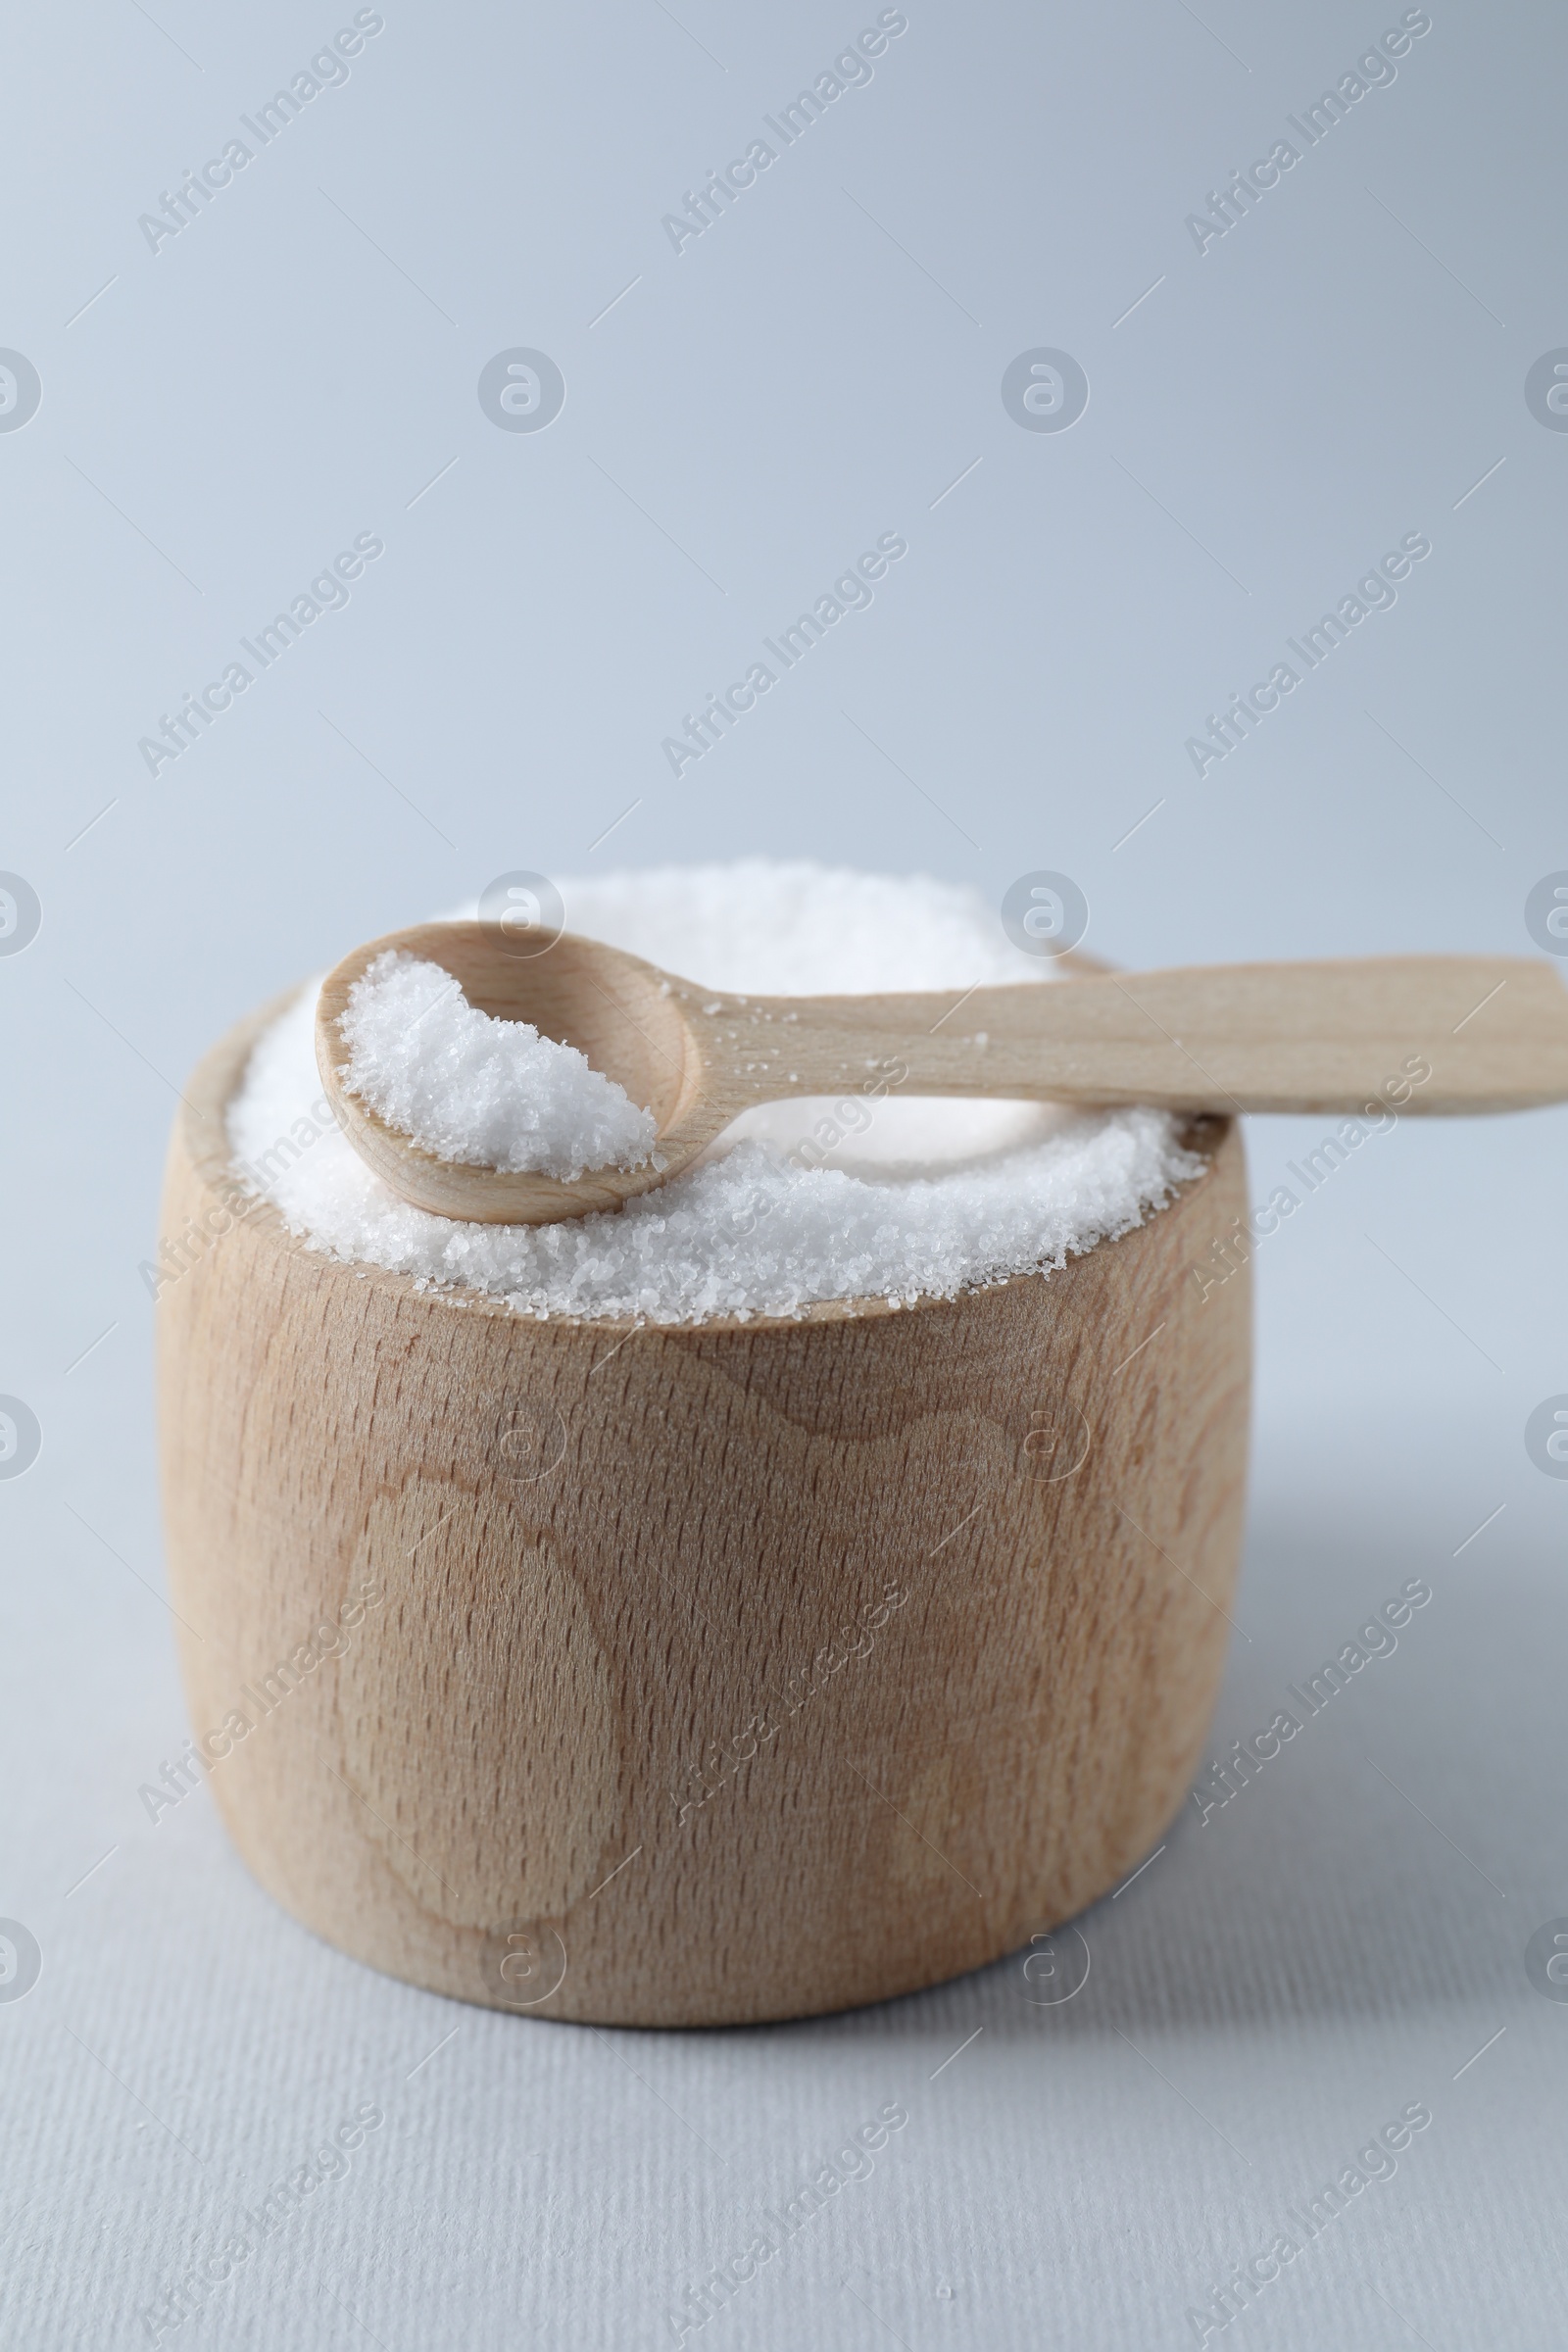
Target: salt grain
(491,1094)
(873,1195)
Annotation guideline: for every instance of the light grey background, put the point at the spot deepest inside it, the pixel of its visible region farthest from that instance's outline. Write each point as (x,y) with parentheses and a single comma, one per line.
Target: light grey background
(295,368)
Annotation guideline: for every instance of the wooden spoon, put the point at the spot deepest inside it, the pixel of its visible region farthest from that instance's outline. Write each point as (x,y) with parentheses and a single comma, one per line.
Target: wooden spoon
(1490,1033)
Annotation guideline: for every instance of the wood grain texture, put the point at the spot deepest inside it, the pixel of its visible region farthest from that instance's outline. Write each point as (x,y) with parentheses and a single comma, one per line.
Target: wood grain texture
(824,1624)
(1434,1034)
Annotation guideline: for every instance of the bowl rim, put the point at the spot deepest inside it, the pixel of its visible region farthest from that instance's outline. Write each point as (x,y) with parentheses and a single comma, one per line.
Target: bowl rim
(201,1123)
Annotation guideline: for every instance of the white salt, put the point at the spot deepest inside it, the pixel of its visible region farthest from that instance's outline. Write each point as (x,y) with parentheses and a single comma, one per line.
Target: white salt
(872,1195)
(489,1093)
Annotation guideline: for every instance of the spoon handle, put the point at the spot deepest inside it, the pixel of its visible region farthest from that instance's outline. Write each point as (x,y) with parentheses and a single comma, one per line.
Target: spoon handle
(1435,1034)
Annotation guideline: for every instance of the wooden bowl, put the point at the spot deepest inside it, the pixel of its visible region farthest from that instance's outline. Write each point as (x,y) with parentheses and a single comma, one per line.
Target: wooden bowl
(694,1675)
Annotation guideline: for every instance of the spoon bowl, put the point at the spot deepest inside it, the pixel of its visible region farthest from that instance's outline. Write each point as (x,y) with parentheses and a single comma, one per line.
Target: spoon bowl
(633,1023)
(1429,1034)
